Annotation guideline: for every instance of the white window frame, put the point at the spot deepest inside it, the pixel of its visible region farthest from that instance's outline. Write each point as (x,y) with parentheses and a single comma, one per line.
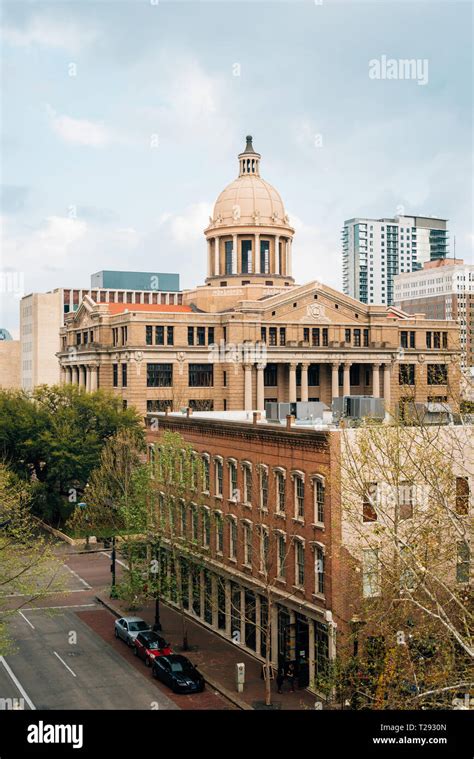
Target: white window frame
(319,555)
(207,459)
(247,542)
(219,522)
(206,519)
(247,469)
(218,461)
(318,479)
(234,493)
(370,588)
(281,536)
(298,476)
(233,538)
(262,468)
(280,471)
(299,545)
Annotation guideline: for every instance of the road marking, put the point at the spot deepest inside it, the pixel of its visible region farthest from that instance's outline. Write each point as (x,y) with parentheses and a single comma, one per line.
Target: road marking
(26,620)
(18,684)
(78,577)
(71,606)
(66,665)
(118,561)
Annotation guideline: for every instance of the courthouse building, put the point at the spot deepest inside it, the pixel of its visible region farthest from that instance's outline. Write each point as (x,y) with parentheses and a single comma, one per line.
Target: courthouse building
(250,334)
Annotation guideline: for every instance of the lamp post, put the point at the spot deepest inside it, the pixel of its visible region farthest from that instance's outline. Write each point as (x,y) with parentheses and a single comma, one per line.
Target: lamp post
(113,558)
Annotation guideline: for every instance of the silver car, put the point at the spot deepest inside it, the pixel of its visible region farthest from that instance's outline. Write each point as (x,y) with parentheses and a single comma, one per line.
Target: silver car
(128,628)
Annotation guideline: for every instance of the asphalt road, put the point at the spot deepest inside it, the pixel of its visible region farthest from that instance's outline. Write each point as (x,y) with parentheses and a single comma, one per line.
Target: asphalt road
(60,663)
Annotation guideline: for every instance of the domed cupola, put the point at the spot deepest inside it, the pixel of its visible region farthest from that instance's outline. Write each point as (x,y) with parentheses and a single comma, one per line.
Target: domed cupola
(249,235)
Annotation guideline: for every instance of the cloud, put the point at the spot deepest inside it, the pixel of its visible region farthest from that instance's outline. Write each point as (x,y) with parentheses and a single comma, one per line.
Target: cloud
(81,131)
(187,227)
(13,198)
(51,32)
(314,254)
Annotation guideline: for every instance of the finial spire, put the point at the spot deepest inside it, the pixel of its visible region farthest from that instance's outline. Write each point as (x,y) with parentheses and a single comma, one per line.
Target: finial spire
(249,160)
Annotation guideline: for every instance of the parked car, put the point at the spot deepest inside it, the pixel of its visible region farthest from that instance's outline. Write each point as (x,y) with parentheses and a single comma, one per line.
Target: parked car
(150,644)
(178,673)
(127,628)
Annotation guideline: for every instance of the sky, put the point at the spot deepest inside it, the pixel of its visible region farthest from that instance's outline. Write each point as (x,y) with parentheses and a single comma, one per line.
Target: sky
(121,122)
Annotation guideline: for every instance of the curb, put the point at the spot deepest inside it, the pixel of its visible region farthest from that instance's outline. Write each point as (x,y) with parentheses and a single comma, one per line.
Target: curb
(229,695)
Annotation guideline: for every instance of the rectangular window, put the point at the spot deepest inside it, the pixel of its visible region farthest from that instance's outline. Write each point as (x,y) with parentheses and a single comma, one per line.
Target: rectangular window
(306,334)
(219,533)
(282,335)
(315,339)
(299,497)
(170,335)
(201,335)
(264,256)
(263,334)
(437,339)
(270,375)
(194,522)
(233,492)
(247,544)
(183,519)
(201,375)
(206,528)
(437,374)
(263,488)
(159,335)
(299,564)
(405,500)
(201,404)
(463,565)
(319,570)
(228,256)
(462,495)
(159,375)
(412,339)
(366,338)
(428,339)
(190,335)
(325,337)
(149,335)
(370,573)
(313,375)
(319,492)
(246,256)
(281,569)
(357,338)
(347,335)
(232,539)
(115,375)
(124,375)
(404,339)
(280,492)
(406,374)
(369,503)
(445,339)
(273,335)
(219,477)
(124,335)
(160,404)
(247,472)
(210,335)
(264,549)
(206,484)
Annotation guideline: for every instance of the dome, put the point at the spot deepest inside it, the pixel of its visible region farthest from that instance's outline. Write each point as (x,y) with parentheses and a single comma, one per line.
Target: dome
(249,199)
(4,334)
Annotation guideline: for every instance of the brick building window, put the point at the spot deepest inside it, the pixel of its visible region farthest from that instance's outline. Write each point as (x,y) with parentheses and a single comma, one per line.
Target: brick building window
(194,522)
(463,564)
(264,549)
(159,404)
(159,375)
(407,339)
(201,404)
(273,335)
(206,473)
(219,523)
(234,494)
(124,375)
(232,538)
(280,487)
(270,375)
(405,500)
(210,335)
(247,477)
(319,569)
(437,374)
(170,335)
(115,375)
(263,487)
(219,477)
(248,547)
(319,498)
(183,519)
(206,527)
(159,335)
(201,335)
(369,502)
(190,335)
(406,374)
(281,557)
(298,480)
(201,375)
(370,573)
(299,563)
(462,495)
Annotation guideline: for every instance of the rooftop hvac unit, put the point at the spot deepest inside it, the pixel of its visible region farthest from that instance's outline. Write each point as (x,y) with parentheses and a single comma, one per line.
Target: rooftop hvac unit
(308,410)
(358,407)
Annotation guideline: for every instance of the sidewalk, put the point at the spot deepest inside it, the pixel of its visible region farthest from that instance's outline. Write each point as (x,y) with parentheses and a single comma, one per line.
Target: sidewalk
(216,659)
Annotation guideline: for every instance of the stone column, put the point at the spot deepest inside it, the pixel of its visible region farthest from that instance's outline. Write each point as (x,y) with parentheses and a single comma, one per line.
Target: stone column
(304,382)
(234,254)
(257,253)
(387,377)
(277,257)
(94,383)
(335,380)
(292,383)
(376,380)
(248,387)
(216,256)
(209,259)
(290,251)
(260,389)
(346,386)
(88,378)
(82,375)
(68,375)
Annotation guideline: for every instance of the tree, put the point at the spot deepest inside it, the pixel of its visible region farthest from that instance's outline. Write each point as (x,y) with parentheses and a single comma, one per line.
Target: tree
(53,438)
(405,494)
(28,566)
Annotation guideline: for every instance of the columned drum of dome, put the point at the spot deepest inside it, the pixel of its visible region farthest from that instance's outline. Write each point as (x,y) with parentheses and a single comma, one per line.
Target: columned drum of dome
(249,236)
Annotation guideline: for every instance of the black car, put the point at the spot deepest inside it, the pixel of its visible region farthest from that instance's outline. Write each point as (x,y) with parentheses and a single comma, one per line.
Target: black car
(178,673)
